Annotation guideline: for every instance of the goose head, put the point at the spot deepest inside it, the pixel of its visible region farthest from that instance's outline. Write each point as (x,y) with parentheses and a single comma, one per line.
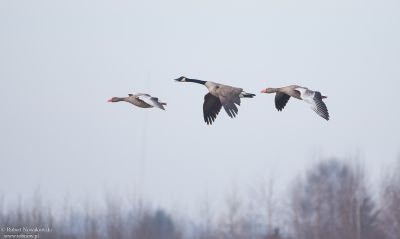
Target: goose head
(267,90)
(181,79)
(115,99)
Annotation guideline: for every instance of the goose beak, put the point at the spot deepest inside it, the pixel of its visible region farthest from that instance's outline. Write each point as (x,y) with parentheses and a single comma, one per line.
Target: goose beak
(110,100)
(264,90)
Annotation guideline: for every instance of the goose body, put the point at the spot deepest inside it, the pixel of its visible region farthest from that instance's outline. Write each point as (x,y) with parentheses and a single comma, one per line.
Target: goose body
(314,98)
(219,96)
(141,100)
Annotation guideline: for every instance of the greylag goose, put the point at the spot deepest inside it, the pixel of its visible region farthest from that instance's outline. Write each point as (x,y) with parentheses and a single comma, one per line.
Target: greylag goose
(314,98)
(140,100)
(219,95)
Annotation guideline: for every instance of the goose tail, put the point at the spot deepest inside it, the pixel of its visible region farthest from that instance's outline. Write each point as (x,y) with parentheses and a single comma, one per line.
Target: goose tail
(247,95)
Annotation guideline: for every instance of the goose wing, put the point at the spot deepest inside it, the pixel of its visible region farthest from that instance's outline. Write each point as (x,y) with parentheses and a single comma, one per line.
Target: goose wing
(211,107)
(229,96)
(153,101)
(314,98)
(281,100)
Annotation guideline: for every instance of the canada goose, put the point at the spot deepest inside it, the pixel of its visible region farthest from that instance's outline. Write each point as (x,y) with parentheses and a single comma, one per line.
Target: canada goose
(314,98)
(140,100)
(219,95)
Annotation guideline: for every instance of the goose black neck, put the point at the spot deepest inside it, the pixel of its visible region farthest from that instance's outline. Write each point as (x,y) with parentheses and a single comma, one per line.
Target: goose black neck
(195,81)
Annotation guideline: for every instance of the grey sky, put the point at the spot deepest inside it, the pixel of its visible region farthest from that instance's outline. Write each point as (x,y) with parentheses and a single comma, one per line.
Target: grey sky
(61,60)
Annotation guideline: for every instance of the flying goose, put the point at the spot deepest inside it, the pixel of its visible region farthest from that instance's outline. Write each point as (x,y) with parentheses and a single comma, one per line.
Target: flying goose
(314,98)
(219,95)
(140,100)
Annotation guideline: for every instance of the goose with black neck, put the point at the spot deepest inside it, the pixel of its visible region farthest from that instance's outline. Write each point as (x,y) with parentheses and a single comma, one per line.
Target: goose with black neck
(219,95)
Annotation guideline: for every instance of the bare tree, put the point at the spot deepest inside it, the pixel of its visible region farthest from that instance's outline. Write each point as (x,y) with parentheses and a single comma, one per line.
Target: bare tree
(114,219)
(236,222)
(91,224)
(265,206)
(2,212)
(36,212)
(206,228)
(332,202)
(390,203)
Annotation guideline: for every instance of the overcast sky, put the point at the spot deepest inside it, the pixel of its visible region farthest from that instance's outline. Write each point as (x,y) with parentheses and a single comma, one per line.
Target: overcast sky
(61,60)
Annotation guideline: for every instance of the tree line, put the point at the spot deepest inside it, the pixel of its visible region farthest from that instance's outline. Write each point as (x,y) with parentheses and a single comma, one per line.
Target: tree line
(334,199)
